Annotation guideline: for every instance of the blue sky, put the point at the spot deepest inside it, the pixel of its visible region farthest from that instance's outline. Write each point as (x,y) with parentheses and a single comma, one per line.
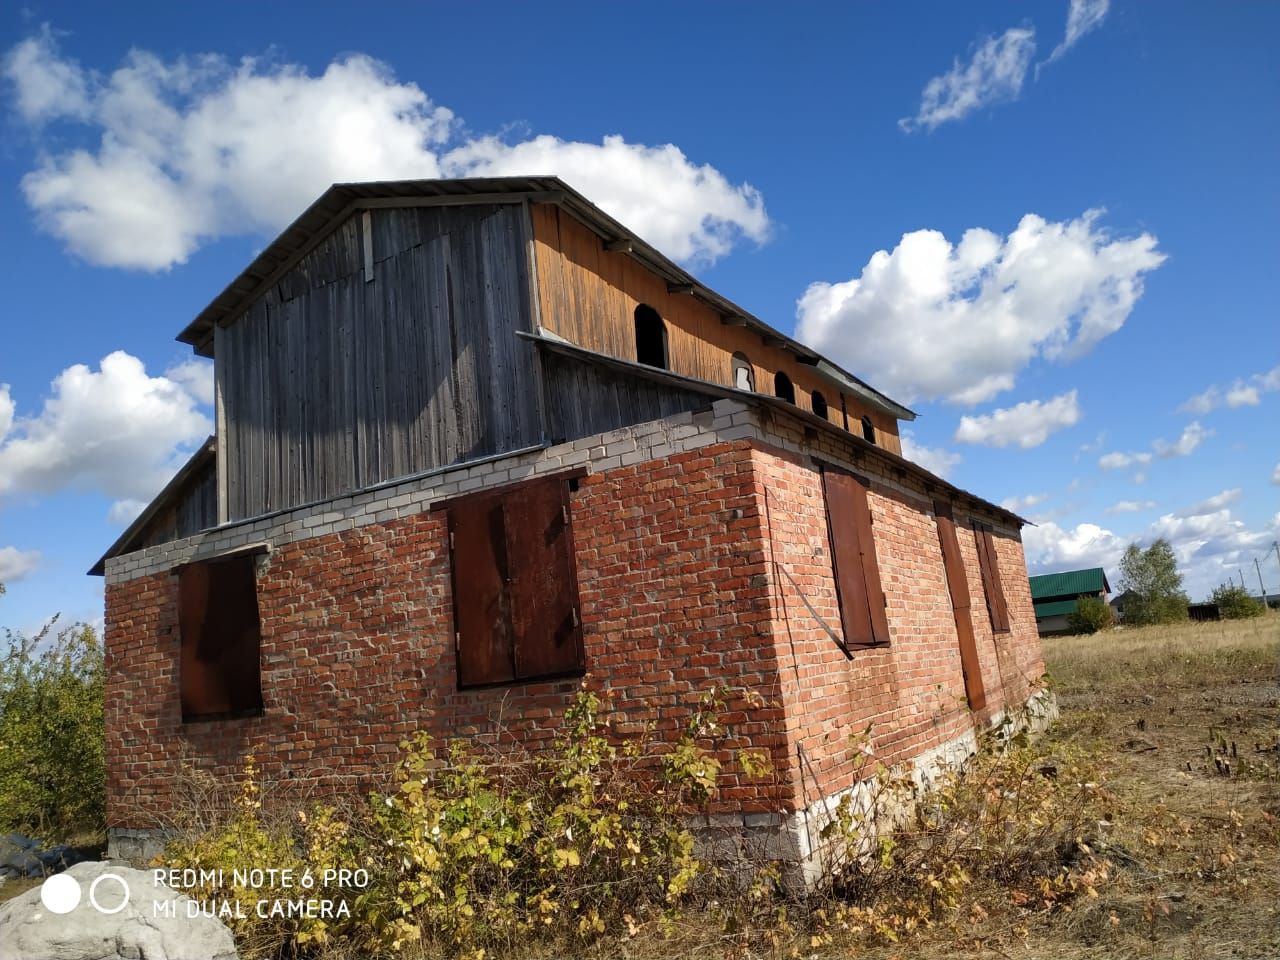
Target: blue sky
(1049,228)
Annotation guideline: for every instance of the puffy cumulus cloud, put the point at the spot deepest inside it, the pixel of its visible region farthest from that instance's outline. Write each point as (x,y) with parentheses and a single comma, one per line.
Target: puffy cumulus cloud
(114,430)
(1050,547)
(1218,501)
(45,86)
(198,148)
(1246,392)
(1187,443)
(124,512)
(196,375)
(1131,506)
(960,321)
(1018,504)
(691,212)
(1026,425)
(993,74)
(16,564)
(1120,460)
(936,460)
(1083,16)
(1275,474)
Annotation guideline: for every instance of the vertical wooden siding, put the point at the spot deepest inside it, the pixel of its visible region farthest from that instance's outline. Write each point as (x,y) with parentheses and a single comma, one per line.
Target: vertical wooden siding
(333,383)
(588,295)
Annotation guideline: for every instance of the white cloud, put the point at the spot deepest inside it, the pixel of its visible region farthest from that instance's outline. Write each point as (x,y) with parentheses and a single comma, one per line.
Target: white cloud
(196,375)
(198,148)
(124,512)
(960,321)
(936,460)
(1192,436)
(1212,504)
(115,430)
(45,87)
(1275,474)
(1082,17)
(1049,547)
(1027,425)
(993,75)
(1018,504)
(1131,506)
(1120,461)
(1241,393)
(16,564)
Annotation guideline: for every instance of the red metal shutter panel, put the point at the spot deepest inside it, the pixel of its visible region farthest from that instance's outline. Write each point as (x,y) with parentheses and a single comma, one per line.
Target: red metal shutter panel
(481,613)
(543,581)
(857,572)
(958,587)
(1000,610)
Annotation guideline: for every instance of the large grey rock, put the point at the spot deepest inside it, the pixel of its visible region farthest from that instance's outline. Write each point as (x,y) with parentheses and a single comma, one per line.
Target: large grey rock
(145,929)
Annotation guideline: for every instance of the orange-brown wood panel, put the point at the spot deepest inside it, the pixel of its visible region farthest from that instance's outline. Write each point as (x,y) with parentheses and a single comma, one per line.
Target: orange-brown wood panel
(588,295)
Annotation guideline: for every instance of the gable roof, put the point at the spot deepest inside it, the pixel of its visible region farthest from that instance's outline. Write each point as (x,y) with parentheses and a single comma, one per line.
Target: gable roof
(1070,583)
(341,200)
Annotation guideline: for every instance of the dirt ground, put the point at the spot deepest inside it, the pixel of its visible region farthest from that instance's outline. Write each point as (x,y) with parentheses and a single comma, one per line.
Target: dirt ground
(1187,723)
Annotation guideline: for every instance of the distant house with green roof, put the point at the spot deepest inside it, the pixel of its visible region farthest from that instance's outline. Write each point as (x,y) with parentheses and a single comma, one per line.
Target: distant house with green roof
(1054,596)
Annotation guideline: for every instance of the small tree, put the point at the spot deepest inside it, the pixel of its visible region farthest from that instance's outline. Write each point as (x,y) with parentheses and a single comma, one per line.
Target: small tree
(1090,615)
(1234,603)
(1156,584)
(52,769)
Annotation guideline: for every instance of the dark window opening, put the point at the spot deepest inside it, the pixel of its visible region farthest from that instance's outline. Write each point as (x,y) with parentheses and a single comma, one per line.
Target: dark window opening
(819,404)
(515,590)
(868,430)
(651,337)
(992,585)
(853,559)
(219,669)
(958,588)
(744,377)
(782,387)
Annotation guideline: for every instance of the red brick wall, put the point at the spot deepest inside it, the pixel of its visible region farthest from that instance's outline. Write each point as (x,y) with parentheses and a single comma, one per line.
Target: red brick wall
(358,654)
(685,566)
(911,692)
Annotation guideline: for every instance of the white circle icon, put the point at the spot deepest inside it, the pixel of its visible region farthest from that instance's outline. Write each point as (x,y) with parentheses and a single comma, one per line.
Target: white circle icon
(93,891)
(60,893)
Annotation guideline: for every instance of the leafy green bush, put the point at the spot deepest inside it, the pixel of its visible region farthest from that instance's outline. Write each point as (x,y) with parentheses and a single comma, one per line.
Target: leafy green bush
(1235,603)
(473,849)
(52,771)
(1090,615)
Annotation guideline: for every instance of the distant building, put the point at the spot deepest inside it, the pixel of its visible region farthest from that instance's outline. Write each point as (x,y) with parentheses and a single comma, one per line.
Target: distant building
(1056,595)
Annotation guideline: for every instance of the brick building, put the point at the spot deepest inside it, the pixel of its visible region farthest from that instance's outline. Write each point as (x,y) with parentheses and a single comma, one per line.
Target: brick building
(475,441)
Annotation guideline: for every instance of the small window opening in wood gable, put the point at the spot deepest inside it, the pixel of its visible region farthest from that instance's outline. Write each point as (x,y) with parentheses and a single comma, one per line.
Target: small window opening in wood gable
(868,430)
(219,669)
(819,403)
(992,585)
(782,387)
(651,337)
(744,376)
(515,588)
(853,559)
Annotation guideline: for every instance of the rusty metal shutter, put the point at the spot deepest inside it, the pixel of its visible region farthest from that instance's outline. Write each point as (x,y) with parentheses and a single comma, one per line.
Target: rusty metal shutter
(853,554)
(220,634)
(515,589)
(992,585)
(543,582)
(958,587)
(481,606)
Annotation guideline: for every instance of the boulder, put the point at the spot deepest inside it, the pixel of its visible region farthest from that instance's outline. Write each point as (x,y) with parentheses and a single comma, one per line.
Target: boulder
(154,924)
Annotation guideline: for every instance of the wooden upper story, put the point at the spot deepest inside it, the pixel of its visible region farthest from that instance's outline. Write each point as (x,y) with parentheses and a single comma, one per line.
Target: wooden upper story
(396,328)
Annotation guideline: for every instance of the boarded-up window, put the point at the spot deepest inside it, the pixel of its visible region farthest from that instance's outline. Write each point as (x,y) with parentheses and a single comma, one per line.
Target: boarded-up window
(515,591)
(853,557)
(219,668)
(958,587)
(992,585)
